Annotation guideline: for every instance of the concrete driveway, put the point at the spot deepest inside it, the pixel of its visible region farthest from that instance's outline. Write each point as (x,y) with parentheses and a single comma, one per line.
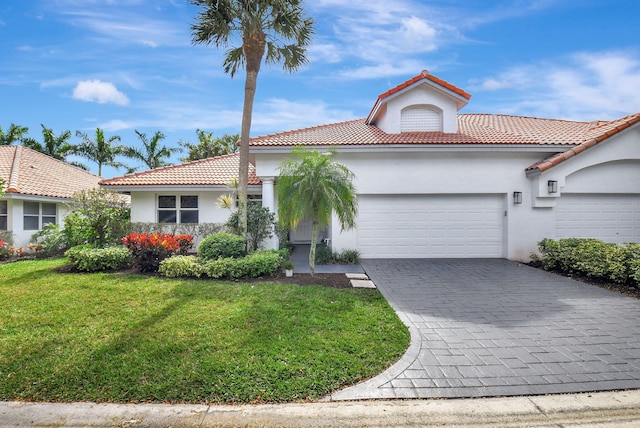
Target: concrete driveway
(492,327)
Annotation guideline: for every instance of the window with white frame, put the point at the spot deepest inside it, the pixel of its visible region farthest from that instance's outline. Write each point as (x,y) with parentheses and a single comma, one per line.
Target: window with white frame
(177,209)
(37,215)
(420,119)
(3,215)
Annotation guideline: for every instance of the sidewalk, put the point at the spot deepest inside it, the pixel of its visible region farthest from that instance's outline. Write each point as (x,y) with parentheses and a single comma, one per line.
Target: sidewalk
(604,410)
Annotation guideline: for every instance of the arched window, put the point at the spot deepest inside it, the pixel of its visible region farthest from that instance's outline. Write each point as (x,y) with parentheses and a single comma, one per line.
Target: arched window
(420,119)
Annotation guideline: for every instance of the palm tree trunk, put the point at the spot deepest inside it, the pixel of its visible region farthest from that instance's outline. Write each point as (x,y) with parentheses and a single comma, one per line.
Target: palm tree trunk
(312,248)
(243,172)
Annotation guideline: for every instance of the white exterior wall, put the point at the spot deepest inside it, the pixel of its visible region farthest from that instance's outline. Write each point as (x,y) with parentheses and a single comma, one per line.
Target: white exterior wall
(15,220)
(144,206)
(442,173)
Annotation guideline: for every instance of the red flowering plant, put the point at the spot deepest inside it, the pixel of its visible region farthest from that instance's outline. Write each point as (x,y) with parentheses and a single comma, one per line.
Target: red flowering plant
(149,249)
(5,250)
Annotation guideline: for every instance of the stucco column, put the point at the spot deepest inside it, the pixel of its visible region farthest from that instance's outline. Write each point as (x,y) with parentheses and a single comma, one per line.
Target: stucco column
(269,201)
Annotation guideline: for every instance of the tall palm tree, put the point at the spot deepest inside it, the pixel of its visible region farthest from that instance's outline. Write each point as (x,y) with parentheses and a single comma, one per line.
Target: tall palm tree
(153,155)
(313,185)
(56,146)
(13,134)
(100,150)
(275,28)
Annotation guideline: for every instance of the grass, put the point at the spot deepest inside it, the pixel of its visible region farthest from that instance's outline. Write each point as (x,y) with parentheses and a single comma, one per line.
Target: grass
(135,338)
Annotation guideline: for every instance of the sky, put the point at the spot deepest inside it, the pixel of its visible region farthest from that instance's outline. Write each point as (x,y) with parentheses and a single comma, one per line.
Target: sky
(126,65)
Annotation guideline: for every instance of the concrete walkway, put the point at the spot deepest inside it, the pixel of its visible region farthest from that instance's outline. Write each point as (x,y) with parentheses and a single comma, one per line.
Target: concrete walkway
(490,327)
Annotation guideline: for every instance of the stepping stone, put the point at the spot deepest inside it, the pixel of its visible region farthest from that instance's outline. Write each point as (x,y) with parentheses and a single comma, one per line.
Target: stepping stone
(362,283)
(357,276)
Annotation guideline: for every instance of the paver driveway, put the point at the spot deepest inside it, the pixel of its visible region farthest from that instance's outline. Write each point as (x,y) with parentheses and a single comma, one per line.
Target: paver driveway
(491,327)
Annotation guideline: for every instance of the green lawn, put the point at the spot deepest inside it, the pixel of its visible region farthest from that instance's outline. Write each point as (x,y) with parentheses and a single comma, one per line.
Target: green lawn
(135,338)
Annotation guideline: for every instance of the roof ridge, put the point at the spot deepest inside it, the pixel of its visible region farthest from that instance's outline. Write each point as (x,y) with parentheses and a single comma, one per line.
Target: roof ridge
(602,123)
(523,117)
(14,174)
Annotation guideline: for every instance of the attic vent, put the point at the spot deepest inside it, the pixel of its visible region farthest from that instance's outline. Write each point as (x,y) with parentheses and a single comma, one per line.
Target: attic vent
(420,119)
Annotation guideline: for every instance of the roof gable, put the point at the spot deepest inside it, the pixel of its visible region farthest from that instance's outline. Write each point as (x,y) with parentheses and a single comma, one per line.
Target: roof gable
(217,171)
(426,89)
(29,172)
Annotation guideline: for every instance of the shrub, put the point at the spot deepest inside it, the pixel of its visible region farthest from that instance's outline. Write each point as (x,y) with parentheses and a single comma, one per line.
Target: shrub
(50,241)
(148,250)
(100,217)
(349,257)
(592,258)
(256,264)
(260,222)
(181,266)
(221,245)
(90,259)
(324,255)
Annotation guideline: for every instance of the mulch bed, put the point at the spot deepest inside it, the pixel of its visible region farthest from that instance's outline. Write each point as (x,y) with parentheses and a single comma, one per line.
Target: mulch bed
(333,280)
(626,289)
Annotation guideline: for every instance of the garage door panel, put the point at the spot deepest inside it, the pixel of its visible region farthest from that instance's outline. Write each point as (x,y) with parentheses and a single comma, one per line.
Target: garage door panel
(611,218)
(430,226)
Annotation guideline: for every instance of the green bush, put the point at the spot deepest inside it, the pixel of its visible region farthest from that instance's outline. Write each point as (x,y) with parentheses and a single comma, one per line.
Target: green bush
(50,241)
(90,259)
(260,221)
(592,258)
(349,257)
(256,264)
(221,245)
(181,266)
(324,255)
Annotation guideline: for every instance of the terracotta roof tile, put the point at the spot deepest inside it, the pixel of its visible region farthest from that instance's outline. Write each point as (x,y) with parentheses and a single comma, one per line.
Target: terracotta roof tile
(29,172)
(472,129)
(205,172)
(597,133)
(425,75)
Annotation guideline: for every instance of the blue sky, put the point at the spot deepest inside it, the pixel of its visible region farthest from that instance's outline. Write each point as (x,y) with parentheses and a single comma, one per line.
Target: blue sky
(123,65)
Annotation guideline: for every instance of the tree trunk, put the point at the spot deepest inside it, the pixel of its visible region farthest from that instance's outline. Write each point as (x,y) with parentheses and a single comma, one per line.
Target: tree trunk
(243,170)
(312,248)
(253,46)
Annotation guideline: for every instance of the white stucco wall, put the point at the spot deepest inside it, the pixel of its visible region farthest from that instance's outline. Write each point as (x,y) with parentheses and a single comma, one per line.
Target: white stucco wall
(15,219)
(144,205)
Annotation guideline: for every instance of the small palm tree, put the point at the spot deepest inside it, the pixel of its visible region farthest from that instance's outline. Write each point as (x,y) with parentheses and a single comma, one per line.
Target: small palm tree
(100,150)
(312,185)
(275,28)
(153,155)
(13,134)
(56,146)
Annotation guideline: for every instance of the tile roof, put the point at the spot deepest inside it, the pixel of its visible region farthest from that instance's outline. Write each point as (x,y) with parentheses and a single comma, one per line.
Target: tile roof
(204,172)
(29,172)
(473,129)
(598,132)
(425,75)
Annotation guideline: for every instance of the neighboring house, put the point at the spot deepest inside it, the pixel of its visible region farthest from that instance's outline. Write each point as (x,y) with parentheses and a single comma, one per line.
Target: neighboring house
(433,182)
(186,193)
(37,191)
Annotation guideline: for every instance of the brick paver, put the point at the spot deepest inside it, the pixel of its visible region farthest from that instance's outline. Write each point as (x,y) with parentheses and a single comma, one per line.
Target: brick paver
(491,327)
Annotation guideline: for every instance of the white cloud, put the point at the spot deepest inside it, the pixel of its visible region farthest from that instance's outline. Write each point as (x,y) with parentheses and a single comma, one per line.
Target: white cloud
(99,92)
(277,114)
(584,86)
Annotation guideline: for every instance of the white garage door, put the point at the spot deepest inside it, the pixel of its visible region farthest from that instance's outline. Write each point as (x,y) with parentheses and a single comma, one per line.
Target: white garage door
(419,226)
(611,218)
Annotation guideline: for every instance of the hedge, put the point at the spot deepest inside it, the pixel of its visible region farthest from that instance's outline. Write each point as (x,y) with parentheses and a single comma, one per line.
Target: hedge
(592,258)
